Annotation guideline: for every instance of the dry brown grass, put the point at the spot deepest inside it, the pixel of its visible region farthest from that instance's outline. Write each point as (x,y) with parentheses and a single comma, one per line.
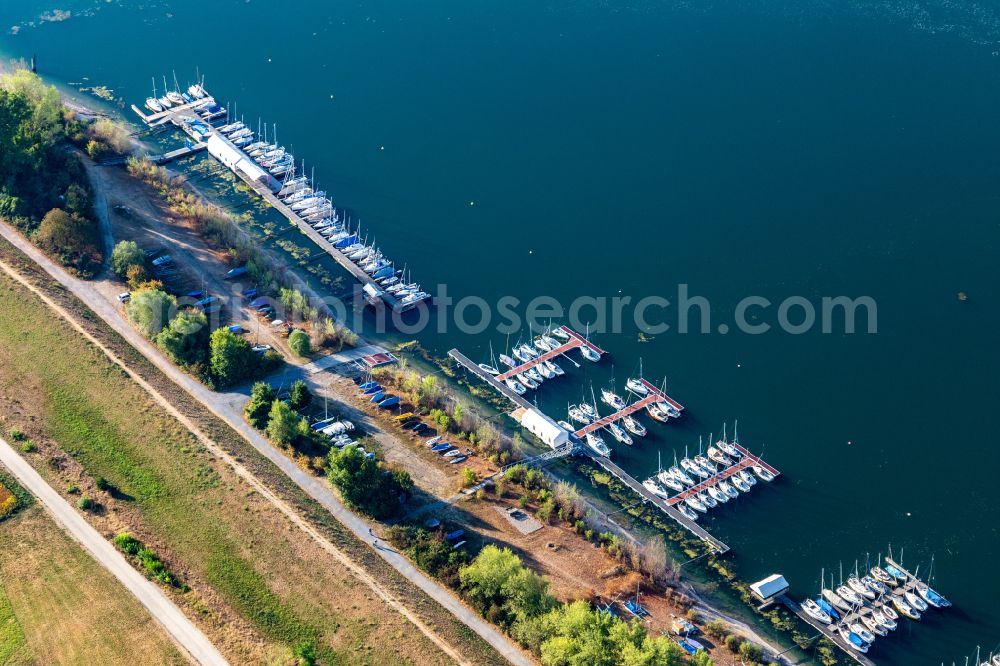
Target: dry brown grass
(67,608)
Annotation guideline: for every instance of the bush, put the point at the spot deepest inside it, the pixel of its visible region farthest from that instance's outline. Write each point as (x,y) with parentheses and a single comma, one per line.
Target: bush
(150,310)
(18,435)
(85,503)
(185,339)
(299,395)
(298,341)
(733,642)
(149,561)
(751,652)
(258,408)
(231,357)
(70,237)
(468,476)
(282,423)
(126,255)
(102,484)
(364,484)
(137,275)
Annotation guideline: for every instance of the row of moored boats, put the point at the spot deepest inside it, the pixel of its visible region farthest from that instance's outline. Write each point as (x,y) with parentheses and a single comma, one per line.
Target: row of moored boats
(312,206)
(705,482)
(175,98)
(865,607)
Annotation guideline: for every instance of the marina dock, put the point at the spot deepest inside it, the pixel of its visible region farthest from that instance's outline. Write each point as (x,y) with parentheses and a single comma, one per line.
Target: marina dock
(747,461)
(499,387)
(654,395)
(186,118)
(575,341)
(831,631)
(691,526)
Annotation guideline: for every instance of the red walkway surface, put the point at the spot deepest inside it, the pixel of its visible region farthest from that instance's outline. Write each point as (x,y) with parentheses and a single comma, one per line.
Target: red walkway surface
(654,395)
(575,340)
(747,461)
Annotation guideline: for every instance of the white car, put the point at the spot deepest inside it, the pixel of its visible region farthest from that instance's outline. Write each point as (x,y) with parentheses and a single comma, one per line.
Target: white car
(125,297)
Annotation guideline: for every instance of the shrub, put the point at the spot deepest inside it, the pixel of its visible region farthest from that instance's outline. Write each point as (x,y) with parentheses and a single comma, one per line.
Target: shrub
(28,446)
(231,357)
(298,341)
(468,476)
(150,310)
(137,275)
(18,435)
(259,406)
(282,423)
(299,395)
(102,484)
(186,338)
(733,643)
(126,255)
(364,484)
(85,503)
(751,652)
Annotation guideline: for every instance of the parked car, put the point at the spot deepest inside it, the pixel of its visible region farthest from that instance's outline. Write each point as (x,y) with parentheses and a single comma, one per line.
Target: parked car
(125,297)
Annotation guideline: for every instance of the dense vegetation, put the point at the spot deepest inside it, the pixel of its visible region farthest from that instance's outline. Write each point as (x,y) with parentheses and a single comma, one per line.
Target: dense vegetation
(43,188)
(219,358)
(147,559)
(365,483)
(498,585)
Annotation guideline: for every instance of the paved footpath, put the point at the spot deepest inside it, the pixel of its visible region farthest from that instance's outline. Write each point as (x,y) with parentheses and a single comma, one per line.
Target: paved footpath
(163,610)
(229,407)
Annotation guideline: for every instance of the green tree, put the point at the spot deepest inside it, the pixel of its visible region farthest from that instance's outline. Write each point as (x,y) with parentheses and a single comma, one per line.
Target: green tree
(258,408)
(230,357)
(125,255)
(751,652)
(299,395)
(363,483)
(298,341)
(150,309)
(185,339)
(282,423)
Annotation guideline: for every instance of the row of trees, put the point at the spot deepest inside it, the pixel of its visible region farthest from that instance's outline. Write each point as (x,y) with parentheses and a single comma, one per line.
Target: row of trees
(220,358)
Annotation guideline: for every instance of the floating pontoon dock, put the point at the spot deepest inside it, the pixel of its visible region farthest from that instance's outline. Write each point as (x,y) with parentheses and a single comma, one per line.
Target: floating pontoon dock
(575,341)
(691,526)
(747,461)
(653,395)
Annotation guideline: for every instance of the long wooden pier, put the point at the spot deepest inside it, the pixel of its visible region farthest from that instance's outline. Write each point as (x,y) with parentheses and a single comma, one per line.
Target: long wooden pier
(690,525)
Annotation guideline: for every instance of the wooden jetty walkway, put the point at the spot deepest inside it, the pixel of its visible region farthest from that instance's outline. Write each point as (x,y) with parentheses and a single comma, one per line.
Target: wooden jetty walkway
(575,341)
(653,395)
(184,115)
(500,387)
(747,461)
(690,525)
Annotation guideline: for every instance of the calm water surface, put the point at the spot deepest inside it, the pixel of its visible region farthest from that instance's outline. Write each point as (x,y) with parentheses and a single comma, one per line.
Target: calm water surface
(750,148)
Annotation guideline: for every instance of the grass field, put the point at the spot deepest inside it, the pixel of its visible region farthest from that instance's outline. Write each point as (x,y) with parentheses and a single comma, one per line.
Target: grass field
(58,606)
(259,586)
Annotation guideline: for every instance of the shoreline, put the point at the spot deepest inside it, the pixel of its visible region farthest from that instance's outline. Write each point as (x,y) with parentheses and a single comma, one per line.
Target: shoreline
(703,604)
